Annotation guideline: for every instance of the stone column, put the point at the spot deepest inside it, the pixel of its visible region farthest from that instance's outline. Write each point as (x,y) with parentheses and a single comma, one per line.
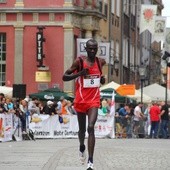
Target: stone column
(68,54)
(18,60)
(97,36)
(88,34)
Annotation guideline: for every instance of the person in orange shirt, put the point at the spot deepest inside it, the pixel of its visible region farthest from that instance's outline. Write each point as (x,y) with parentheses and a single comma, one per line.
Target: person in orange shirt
(64,107)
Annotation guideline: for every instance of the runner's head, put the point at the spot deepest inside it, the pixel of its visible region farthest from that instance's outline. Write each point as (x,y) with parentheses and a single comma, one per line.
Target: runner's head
(91,48)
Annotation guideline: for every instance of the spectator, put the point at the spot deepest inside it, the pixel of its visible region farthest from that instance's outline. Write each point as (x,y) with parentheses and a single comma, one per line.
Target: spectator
(9,106)
(130,112)
(138,115)
(48,108)
(147,125)
(70,108)
(33,106)
(118,125)
(164,120)
(23,113)
(63,107)
(104,107)
(123,114)
(1,96)
(59,105)
(154,117)
(2,105)
(41,107)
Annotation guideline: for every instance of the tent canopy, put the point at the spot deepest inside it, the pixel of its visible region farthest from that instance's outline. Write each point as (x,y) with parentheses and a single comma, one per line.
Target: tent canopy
(51,94)
(7,91)
(111,85)
(107,93)
(137,97)
(156,92)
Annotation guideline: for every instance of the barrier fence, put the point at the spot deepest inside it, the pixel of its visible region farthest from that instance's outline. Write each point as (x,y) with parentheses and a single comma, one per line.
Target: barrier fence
(45,126)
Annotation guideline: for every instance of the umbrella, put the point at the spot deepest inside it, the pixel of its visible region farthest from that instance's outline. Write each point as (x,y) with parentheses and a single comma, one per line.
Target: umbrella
(51,94)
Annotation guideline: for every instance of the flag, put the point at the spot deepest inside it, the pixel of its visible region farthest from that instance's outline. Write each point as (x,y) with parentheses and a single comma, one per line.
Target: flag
(104,51)
(159,29)
(167,40)
(147,18)
(112,113)
(81,44)
(112,109)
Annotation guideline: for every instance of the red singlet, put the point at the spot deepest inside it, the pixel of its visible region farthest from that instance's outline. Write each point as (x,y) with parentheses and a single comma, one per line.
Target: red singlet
(87,89)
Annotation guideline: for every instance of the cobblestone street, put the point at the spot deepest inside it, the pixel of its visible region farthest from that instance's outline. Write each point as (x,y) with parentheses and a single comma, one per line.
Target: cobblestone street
(62,154)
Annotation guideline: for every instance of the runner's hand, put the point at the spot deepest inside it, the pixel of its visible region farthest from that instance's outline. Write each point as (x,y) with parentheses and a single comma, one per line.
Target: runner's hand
(84,72)
(102,80)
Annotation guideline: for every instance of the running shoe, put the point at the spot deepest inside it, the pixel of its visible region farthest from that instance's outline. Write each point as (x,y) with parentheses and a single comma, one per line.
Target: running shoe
(82,157)
(90,166)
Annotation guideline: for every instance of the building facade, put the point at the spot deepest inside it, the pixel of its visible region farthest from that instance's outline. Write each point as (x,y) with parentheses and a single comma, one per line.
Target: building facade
(38,40)
(137,49)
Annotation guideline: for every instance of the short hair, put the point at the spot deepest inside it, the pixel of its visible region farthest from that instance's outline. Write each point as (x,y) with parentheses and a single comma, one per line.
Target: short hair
(140,103)
(91,41)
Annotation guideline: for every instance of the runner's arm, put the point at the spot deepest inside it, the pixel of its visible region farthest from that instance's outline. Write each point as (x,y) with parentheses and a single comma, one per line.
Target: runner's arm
(102,80)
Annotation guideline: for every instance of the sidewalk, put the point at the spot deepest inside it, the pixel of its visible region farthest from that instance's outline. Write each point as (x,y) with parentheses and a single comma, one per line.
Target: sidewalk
(62,154)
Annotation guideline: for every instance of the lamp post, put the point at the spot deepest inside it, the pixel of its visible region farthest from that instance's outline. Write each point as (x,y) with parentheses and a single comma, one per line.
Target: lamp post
(116,66)
(142,73)
(165,73)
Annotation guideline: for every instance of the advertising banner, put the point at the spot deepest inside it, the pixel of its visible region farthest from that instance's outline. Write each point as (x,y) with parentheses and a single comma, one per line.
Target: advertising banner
(45,126)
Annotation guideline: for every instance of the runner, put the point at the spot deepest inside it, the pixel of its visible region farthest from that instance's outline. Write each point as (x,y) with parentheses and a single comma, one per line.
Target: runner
(88,75)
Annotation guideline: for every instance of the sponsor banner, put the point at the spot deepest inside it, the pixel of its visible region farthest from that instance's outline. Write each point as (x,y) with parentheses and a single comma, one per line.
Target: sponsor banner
(167,40)
(6,127)
(147,18)
(104,126)
(81,44)
(54,127)
(160,29)
(103,49)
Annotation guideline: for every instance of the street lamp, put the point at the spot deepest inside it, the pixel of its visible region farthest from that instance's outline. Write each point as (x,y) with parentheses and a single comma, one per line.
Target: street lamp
(142,73)
(116,66)
(165,73)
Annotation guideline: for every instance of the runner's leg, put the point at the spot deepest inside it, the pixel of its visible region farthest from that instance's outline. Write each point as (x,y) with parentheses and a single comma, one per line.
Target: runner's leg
(82,129)
(92,117)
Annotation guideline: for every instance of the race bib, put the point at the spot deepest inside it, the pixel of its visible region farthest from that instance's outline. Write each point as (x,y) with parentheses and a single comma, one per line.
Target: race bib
(91,81)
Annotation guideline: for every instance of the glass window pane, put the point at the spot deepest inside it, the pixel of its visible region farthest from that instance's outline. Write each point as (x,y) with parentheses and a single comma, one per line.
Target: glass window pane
(3,67)
(3,57)
(3,77)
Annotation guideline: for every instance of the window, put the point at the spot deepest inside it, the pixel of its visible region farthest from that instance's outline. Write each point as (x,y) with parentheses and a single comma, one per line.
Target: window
(2,1)
(105,10)
(2,58)
(100,6)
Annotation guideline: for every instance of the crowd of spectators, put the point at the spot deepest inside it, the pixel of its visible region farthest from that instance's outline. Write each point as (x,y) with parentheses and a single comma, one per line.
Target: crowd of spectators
(28,107)
(129,118)
(135,121)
